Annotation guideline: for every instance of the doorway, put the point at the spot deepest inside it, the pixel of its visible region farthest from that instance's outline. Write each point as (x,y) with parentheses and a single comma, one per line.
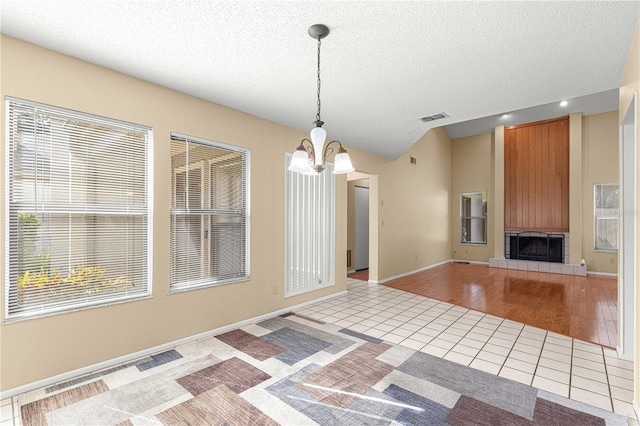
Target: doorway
(361,225)
(366,251)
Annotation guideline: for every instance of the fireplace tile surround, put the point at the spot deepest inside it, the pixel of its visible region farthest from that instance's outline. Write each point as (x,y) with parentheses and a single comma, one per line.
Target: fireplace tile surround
(564,268)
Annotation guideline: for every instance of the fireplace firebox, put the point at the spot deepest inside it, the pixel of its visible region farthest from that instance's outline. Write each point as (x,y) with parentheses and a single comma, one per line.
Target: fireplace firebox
(538,247)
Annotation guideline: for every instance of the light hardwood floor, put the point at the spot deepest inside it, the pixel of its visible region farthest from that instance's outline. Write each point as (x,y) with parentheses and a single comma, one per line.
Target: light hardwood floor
(581,307)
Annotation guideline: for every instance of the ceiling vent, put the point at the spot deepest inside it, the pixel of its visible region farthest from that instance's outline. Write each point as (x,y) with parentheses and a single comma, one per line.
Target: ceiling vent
(434,117)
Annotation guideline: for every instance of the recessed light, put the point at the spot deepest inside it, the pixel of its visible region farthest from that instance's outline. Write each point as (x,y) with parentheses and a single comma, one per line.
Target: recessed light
(564,103)
(505,116)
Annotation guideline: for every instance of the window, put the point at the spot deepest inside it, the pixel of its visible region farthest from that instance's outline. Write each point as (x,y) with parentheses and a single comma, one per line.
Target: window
(209,213)
(473,217)
(309,231)
(78,210)
(605,198)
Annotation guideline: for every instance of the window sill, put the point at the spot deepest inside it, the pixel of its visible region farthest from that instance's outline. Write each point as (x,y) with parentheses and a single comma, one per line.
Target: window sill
(15,318)
(207,284)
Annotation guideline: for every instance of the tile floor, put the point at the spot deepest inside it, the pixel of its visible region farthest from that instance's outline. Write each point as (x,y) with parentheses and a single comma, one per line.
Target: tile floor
(582,371)
(569,367)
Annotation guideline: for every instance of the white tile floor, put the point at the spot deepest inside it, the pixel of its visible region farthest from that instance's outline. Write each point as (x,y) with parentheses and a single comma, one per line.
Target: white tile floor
(572,368)
(9,412)
(582,371)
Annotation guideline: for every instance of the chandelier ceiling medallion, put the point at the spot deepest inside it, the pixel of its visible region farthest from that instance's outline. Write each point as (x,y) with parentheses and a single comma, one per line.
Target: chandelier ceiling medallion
(311,155)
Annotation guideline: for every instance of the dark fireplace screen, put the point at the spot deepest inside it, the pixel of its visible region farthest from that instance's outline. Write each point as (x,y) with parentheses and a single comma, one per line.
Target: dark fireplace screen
(539,248)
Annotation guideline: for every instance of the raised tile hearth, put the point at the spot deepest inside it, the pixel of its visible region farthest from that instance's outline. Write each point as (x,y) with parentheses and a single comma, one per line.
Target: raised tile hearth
(532,266)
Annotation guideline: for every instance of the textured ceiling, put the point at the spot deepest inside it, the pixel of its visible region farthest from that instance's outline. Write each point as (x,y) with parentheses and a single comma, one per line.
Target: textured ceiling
(384,65)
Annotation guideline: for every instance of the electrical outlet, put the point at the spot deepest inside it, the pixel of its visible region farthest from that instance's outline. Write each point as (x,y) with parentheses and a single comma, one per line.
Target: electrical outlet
(274,289)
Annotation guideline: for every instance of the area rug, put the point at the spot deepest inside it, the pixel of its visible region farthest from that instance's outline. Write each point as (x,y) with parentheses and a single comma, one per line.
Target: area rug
(290,370)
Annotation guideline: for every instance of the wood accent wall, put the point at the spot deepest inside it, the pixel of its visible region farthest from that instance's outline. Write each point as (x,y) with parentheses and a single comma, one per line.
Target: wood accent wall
(536,176)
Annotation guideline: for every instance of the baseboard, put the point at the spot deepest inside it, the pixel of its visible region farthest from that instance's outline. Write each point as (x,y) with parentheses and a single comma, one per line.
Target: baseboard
(604,274)
(384,280)
(622,355)
(351,271)
(156,349)
(475,262)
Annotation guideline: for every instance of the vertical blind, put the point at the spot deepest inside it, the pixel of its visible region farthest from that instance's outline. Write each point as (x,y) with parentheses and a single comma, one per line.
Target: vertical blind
(309,231)
(209,213)
(78,219)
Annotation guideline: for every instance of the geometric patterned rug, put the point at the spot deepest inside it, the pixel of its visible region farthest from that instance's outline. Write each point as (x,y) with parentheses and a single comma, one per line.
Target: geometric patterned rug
(291,370)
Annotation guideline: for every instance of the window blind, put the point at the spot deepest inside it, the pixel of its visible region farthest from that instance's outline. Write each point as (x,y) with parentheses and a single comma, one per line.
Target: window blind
(78,210)
(309,231)
(606,216)
(209,213)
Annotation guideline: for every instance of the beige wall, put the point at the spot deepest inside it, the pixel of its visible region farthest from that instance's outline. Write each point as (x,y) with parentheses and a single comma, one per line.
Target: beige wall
(575,188)
(629,86)
(599,165)
(496,203)
(471,171)
(414,218)
(41,348)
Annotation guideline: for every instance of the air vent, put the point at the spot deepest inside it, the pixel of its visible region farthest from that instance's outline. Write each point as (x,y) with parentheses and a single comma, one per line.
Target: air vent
(434,117)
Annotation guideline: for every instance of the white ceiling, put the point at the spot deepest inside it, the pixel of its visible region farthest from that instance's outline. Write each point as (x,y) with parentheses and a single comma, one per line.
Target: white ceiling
(385,64)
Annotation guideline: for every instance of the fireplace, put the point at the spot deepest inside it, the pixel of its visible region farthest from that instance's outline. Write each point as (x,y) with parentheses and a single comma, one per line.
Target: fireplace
(536,246)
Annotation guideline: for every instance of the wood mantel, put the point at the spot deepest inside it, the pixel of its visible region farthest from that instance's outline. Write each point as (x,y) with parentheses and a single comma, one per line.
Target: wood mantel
(536,176)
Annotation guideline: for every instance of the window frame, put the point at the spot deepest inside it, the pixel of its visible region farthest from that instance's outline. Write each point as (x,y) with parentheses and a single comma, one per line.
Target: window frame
(616,217)
(146,213)
(208,282)
(484,217)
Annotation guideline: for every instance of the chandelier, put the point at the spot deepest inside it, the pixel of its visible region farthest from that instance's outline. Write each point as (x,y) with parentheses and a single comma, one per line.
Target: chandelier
(311,155)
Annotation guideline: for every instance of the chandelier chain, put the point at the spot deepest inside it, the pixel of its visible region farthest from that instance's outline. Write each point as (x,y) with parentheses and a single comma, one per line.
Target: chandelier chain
(318,113)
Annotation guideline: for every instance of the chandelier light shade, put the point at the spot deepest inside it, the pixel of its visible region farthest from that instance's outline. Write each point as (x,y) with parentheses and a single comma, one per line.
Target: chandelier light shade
(311,155)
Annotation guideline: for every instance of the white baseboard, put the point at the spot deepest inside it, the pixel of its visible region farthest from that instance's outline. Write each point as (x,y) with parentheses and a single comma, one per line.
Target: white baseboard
(384,280)
(475,262)
(424,269)
(622,355)
(350,271)
(156,349)
(604,274)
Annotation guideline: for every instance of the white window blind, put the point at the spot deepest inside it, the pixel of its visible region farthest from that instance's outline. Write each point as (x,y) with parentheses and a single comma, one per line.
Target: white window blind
(209,213)
(78,216)
(606,216)
(309,231)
